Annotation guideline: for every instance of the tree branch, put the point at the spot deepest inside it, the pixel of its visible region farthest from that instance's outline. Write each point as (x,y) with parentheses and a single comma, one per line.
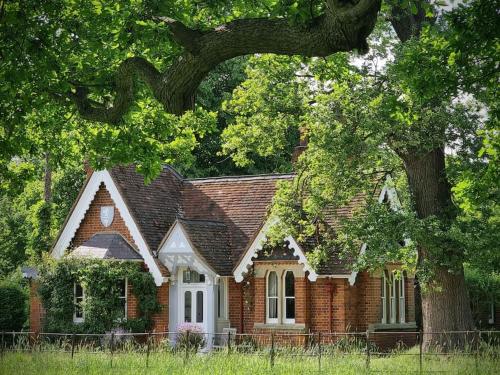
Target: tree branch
(343,27)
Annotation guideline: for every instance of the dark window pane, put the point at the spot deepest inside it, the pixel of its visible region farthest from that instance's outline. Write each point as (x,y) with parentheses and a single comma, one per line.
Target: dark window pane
(199,307)
(289,284)
(201,278)
(78,291)
(187,306)
(290,308)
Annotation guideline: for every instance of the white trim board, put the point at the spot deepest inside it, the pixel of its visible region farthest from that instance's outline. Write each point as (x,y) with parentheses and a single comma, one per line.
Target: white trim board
(81,208)
(257,245)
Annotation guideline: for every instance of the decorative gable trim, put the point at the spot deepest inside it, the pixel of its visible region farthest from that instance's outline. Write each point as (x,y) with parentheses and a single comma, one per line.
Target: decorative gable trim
(80,209)
(257,245)
(183,251)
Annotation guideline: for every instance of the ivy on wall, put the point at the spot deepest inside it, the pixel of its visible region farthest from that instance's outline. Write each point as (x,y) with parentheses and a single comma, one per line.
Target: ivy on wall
(101,305)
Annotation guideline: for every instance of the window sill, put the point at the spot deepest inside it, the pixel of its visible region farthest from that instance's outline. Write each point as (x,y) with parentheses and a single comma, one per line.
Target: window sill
(392,326)
(276,326)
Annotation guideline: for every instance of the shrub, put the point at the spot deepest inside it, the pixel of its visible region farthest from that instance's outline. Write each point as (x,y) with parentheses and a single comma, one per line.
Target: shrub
(190,336)
(12,307)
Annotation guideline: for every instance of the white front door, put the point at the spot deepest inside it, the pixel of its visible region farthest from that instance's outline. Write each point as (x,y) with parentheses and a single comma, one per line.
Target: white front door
(193,306)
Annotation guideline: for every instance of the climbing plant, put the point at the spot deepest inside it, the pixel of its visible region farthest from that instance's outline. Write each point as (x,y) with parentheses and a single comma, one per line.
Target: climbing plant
(101,305)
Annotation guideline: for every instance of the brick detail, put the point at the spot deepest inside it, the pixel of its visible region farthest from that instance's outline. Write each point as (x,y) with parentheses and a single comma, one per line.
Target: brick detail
(36,310)
(160,320)
(91,223)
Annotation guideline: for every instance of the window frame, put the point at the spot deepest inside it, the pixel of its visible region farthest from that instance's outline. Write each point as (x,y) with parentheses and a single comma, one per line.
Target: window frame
(393,298)
(270,320)
(78,319)
(125,297)
(285,297)
(222,299)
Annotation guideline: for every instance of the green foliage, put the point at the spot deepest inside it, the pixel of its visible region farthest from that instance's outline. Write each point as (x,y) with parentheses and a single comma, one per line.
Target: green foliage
(13,304)
(101,306)
(484,290)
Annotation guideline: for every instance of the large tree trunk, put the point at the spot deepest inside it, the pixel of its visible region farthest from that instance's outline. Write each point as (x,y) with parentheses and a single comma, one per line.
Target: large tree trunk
(445,302)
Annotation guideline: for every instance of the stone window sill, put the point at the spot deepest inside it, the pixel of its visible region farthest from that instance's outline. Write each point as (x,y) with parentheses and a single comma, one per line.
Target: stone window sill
(288,327)
(392,326)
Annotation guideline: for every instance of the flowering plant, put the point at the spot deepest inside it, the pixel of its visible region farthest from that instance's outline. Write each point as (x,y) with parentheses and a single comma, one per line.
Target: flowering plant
(190,336)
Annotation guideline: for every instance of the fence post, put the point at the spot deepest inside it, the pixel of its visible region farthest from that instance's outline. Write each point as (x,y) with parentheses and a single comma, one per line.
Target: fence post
(112,346)
(72,345)
(229,342)
(147,349)
(319,351)
(271,358)
(420,348)
(476,351)
(367,350)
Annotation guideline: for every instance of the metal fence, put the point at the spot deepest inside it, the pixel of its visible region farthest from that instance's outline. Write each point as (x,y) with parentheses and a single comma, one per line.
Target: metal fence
(365,346)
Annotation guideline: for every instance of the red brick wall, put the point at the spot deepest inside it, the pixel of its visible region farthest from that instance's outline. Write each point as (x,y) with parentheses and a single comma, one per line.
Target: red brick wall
(235,300)
(301,305)
(36,309)
(91,223)
(132,303)
(160,320)
(259,301)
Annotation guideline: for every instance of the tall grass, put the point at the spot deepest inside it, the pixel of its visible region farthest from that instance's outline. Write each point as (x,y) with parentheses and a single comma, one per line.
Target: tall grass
(215,363)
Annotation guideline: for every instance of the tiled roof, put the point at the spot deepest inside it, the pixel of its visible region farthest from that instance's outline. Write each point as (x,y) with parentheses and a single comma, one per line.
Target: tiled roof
(222,215)
(106,246)
(211,239)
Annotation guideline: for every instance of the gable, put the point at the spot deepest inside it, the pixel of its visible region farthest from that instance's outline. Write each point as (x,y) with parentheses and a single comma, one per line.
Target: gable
(177,251)
(91,223)
(82,206)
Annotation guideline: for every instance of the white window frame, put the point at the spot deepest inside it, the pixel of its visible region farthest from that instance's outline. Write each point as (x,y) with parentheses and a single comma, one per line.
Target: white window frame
(125,315)
(277,297)
(383,297)
(402,302)
(392,289)
(222,315)
(75,318)
(285,297)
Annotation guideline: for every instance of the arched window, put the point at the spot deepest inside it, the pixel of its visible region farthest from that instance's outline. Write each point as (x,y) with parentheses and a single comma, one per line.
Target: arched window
(289,298)
(392,297)
(272,297)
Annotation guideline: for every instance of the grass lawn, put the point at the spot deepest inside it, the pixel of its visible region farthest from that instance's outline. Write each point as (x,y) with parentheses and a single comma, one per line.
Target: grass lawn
(19,363)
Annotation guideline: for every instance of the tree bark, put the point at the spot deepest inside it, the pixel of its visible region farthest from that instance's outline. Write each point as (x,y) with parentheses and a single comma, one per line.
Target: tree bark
(445,301)
(344,26)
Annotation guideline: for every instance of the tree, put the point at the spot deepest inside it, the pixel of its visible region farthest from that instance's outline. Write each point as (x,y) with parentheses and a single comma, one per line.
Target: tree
(365,123)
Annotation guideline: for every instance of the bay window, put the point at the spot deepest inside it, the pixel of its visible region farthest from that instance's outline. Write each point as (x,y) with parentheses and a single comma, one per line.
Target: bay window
(280,298)
(392,297)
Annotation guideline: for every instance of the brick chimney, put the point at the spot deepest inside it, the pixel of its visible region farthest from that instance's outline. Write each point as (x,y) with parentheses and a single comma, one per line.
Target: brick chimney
(300,148)
(87,168)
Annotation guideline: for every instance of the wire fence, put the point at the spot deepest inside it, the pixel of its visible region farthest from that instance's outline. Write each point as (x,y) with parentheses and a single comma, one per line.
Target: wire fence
(364,346)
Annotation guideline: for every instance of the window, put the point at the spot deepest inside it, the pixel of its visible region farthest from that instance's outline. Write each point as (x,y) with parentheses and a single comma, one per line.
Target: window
(187,306)
(272,297)
(199,306)
(280,298)
(221,299)
(122,289)
(289,298)
(192,277)
(79,296)
(392,297)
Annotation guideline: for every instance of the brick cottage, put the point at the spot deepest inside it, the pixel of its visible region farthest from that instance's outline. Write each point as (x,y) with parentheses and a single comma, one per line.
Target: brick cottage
(204,242)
